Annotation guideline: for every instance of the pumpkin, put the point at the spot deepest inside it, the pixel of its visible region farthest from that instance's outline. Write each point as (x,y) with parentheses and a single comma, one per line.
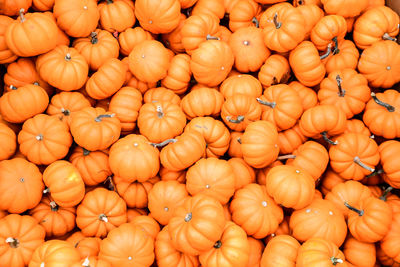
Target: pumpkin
(11,7)
(239,110)
(387,152)
(386,29)
(385,259)
(31,34)
(319,252)
(388,243)
(161,94)
(94,128)
(64,183)
(241,84)
(320,219)
(212,177)
(283,27)
(345,55)
(63,67)
(124,155)
(43,5)
(62,37)
(6,55)
(329,180)
(127,244)
(311,157)
(44,139)
(308,96)
(235,148)
(23,72)
(256,250)
(134,82)
(244,14)
(328,31)
(232,248)
(211,62)
(346,89)
(164,198)
(290,139)
(354,156)
(91,261)
(55,252)
(178,74)
(134,194)
(173,39)
(369,220)
(116,16)
(100,212)
(356,126)
(347,8)
(281,105)
(311,14)
(248,49)
(8,142)
(130,37)
(77,18)
(149,225)
(64,104)
(183,151)
(108,79)
(20,236)
(379,63)
(290,187)
(255,211)
(381,114)
(98,47)
(166,117)
(306,64)
(323,120)
(274,71)
(359,253)
(202,102)
(126,103)
(197,224)
(56,220)
(244,174)
(215,134)
(132,213)
(283,229)
(16,106)
(280,250)
(168,175)
(21,185)
(262,173)
(212,7)
(156,16)
(93,166)
(153,58)
(167,255)
(350,192)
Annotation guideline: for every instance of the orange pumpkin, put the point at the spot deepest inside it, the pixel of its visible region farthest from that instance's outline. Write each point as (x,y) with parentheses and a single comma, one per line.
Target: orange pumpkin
(134,194)
(131,37)
(359,253)
(56,252)
(173,39)
(243,14)
(345,55)
(8,142)
(116,16)
(388,243)
(6,55)
(312,13)
(161,94)
(241,84)
(290,139)
(202,102)
(212,7)
(346,9)
(328,31)
(244,174)
(178,74)
(149,225)
(308,96)
(280,250)
(274,71)
(387,152)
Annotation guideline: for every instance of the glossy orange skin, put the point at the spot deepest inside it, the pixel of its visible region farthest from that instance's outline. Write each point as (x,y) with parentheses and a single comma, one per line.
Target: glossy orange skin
(149,225)
(131,37)
(178,74)
(275,70)
(55,251)
(388,151)
(281,250)
(329,180)
(319,219)
(93,261)
(12,7)
(241,84)
(261,216)
(215,8)
(359,253)
(356,126)
(244,174)
(202,102)
(312,13)
(307,95)
(242,13)
(191,228)
(346,57)
(116,16)
(8,142)
(388,244)
(134,194)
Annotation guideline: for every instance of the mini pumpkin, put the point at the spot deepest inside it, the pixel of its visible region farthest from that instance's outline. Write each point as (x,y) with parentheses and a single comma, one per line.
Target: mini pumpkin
(116,15)
(202,102)
(244,14)
(389,245)
(55,251)
(290,139)
(387,152)
(308,96)
(241,84)
(8,142)
(280,250)
(274,71)
(359,253)
(346,8)
(179,74)
(149,225)
(6,55)
(131,37)
(345,55)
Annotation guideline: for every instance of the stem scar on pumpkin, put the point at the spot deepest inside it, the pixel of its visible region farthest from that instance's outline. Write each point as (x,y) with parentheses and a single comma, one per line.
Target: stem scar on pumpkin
(13,242)
(336,260)
(386,36)
(255,21)
(389,107)
(210,37)
(103,217)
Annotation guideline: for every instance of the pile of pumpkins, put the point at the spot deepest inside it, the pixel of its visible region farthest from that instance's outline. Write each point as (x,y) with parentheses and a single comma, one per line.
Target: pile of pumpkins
(199,133)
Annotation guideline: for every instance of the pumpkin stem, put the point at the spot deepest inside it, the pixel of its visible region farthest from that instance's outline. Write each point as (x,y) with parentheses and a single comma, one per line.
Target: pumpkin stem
(188,217)
(327,53)
(66,112)
(13,242)
(385,193)
(386,36)
(54,206)
(12,87)
(256,22)
(21,14)
(339,84)
(326,138)
(266,103)
(68,57)
(85,152)
(389,107)
(359,162)
(283,157)
(103,217)
(239,119)
(47,190)
(39,137)
(86,262)
(164,143)
(36,83)
(93,38)
(110,2)
(218,244)
(110,182)
(336,260)
(100,117)
(160,112)
(360,212)
(277,24)
(336,49)
(239,140)
(210,37)
(376,172)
